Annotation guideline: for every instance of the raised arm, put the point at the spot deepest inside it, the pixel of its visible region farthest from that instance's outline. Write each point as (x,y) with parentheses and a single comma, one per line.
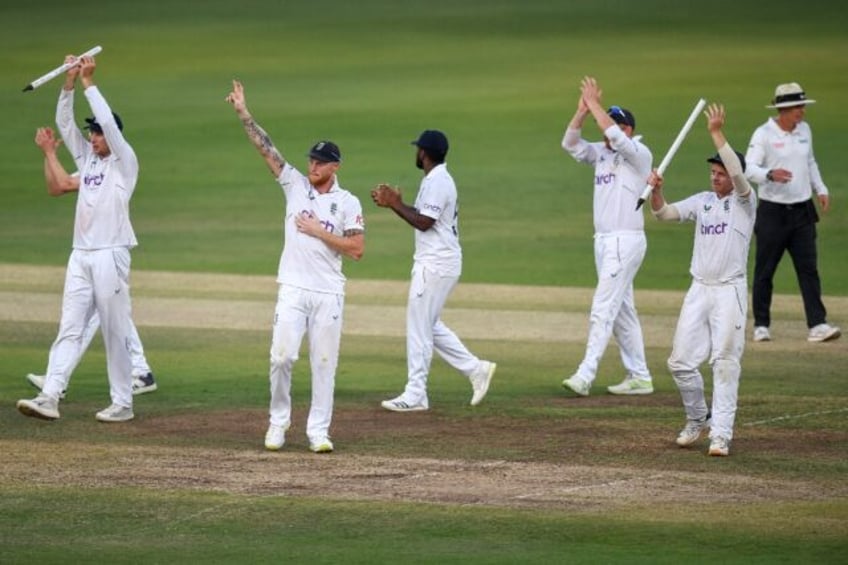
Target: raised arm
(715,121)
(58,180)
(254,132)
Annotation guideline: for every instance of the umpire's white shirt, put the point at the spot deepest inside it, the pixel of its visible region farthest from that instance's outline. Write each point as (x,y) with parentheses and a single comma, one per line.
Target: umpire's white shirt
(306,261)
(773,148)
(620,177)
(102,216)
(438,248)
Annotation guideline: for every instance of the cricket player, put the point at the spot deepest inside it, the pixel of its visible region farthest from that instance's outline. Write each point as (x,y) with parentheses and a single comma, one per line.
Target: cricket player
(437,265)
(622,164)
(323,222)
(712,320)
(58,182)
(98,269)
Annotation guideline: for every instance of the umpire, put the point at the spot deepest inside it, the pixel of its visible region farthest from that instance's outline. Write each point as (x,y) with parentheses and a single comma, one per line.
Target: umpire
(781,162)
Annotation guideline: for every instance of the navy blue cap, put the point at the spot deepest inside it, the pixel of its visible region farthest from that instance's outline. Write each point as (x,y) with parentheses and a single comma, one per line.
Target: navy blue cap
(326,152)
(622,116)
(433,140)
(717,160)
(93,126)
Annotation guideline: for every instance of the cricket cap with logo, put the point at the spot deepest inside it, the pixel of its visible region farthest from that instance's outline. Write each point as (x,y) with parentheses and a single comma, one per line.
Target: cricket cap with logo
(622,116)
(326,152)
(433,140)
(93,126)
(789,95)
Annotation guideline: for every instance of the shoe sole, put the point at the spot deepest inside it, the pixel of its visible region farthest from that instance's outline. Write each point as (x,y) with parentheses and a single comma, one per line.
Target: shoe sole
(631,392)
(144,389)
(688,443)
(830,337)
(321,449)
(110,420)
(272,447)
(28,410)
(474,400)
(394,408)
(32,383)
(718,453)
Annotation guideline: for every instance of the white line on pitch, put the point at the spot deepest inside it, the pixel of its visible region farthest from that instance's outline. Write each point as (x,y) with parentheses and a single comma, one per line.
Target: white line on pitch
(795,416)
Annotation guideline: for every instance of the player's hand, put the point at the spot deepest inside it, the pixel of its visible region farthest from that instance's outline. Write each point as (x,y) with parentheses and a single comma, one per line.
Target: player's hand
(824,202)
(655,181)
(590,91)
(715,117)
(46,140)
(781,175)
(74,71)
(236,97)
(86,67)
(386,196)
(307,223)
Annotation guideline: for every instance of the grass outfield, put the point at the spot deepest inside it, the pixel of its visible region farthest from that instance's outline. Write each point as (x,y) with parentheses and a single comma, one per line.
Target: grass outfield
(528,476)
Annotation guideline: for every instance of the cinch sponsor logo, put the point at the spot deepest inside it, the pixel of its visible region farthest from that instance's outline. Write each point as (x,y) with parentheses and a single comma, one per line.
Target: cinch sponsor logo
(608,178)
(433,207)
(715,229)
(328,226)
(93,180)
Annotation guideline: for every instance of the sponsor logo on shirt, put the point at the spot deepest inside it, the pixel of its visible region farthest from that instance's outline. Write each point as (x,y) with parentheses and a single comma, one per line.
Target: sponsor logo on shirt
(608,178)
(713,229)
(93,181)
(432,207)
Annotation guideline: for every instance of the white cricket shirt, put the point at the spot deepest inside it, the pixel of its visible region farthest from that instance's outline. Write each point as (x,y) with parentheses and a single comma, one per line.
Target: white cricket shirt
(438,248)
(773,148)
(621,174)
(106,184)
(306,261)
(723,227)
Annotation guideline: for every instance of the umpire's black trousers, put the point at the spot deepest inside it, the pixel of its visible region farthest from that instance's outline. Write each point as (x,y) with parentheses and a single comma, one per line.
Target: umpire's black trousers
(792,228)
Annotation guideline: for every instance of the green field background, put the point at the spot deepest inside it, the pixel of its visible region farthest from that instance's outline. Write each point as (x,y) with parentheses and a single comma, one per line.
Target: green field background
(501,78)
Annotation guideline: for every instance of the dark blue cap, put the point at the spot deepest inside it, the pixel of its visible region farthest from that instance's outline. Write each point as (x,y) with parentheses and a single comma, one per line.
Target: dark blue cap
(717,160)
(434,141)
(326,152)
(93,126)
(622,116)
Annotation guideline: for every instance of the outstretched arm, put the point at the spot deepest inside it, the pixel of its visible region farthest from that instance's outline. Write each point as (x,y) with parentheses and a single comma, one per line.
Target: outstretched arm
(715,121)
(57,178)
(386,196)
(254,131)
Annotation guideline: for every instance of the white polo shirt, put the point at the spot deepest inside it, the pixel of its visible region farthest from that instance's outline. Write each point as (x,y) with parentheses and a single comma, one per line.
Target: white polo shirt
(773,148)
(438,248)
(306,261)
(621,174)
(102,217)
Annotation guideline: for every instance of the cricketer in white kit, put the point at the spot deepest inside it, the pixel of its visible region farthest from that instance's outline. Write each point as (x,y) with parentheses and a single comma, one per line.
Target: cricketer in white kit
(97,277)
(323,222)
(622,164)
(437,265)
(712,319)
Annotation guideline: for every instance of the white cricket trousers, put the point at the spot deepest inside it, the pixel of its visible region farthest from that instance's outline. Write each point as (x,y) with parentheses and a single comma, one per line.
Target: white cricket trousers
(618,257)
(96,282)
(425,331)
(300,311)
(711,326)
(140,366)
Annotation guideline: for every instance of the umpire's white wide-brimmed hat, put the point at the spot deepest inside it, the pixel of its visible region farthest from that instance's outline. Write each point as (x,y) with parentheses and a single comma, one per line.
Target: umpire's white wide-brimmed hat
(788,95)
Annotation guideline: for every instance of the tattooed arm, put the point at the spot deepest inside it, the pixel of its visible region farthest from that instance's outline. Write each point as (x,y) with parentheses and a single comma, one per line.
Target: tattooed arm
(255,132)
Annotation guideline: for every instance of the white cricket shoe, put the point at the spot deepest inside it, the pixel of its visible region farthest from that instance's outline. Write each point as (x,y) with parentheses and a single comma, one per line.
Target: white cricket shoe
(823,332)
(577,385)
(323,445)
(481,378)
(115,413)
(38,382)
(42,406)
(691,432)
(761,333)
(719,446)
(142,384)
(632,385)
(275,437)
(400,404)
